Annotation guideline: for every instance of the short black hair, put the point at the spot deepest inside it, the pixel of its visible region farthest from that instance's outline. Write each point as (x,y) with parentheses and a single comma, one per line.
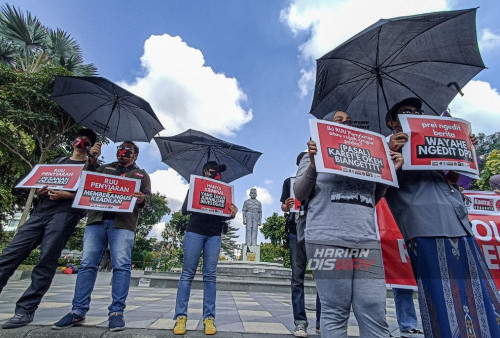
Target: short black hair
(214,165)
(88,133)
(136,148)
(410,101)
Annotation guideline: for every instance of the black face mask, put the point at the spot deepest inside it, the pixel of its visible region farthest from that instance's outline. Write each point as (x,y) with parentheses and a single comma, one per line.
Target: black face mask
(81,143)
(124,152)
(214,175)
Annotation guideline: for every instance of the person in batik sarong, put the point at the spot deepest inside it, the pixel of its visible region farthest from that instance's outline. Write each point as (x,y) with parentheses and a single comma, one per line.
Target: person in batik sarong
(457,295)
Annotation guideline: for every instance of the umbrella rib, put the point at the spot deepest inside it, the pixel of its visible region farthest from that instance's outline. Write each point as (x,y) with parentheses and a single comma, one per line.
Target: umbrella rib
(400,49)
(126,108)
(412,63)
(360,90)
(102,105)
(357,63)
(223,150)
(411,90)
(103,96)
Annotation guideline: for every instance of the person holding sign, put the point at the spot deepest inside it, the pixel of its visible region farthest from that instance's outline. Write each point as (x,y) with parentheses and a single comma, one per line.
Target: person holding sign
(203,233)
(342,245)
(457,296)
(51,225)
(116,229)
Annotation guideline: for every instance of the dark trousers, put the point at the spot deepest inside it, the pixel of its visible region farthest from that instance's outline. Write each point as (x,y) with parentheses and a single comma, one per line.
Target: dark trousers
(52,232)
(298,261)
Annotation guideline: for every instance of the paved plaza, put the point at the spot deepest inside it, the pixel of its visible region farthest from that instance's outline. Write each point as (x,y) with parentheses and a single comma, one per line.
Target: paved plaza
(150,311)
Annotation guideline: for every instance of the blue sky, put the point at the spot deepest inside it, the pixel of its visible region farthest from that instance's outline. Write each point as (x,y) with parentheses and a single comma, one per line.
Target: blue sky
(244,70)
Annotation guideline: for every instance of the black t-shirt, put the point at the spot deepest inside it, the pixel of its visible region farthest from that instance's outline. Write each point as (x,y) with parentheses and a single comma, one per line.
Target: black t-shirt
(203,224)
(50,207)
(290,220)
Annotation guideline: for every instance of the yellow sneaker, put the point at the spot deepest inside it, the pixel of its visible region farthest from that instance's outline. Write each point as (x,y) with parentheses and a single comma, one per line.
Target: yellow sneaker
(209,326)
(180,325)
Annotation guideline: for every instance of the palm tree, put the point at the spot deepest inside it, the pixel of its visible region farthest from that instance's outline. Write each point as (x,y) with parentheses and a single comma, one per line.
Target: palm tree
(25,44)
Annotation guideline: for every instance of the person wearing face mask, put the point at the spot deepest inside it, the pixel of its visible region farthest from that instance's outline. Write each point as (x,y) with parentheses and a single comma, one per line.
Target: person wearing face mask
(203,233)
(51,224)
(116,229)
(342,245)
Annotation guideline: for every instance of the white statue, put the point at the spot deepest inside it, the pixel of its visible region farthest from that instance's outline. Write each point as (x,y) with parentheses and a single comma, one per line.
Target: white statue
(252,217)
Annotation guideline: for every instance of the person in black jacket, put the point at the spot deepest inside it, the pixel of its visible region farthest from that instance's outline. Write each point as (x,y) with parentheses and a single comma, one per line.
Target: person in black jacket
(203,233)
(51,224)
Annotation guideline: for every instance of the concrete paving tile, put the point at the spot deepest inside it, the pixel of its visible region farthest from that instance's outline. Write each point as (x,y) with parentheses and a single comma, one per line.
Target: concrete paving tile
(233,327)
(168,324)
(95,320)
(4,316)
(267,328)
(149,299)
(139,324)
(52,305)
(254,313)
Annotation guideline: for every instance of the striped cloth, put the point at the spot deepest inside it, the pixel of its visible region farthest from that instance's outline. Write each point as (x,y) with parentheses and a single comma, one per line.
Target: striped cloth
(457,295)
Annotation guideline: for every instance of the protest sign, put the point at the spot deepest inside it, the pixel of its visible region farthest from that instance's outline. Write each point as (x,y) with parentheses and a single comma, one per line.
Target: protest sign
(482,202)
(438,143)
(398,271)
(209,196)
(352,152)
(106,192)
(296,204)
(53,176)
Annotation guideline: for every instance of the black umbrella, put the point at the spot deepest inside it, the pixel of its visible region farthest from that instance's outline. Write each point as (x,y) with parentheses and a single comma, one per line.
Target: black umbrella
(187,152)
(101,105)
(429,56)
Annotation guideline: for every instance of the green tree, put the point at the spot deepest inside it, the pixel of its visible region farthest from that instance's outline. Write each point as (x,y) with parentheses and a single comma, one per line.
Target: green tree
(273,229)
(486,144)
(27,45)
(274,253)
(152,214)
(30,56)
(175,229)
(228,240)
(491,168)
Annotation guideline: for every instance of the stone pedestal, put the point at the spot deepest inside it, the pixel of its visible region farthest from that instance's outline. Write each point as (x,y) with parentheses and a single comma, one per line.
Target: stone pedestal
(252,254)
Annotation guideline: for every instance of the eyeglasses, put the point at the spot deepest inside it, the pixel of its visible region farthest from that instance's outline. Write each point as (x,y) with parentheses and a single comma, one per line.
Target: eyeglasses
(411,111)
(125,148)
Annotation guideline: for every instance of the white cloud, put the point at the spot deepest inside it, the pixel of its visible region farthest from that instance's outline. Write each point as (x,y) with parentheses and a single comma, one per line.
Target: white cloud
(488,40)
(263,195)
(479,106)
(169,183)
(330,23)
(185,93)
(268,182)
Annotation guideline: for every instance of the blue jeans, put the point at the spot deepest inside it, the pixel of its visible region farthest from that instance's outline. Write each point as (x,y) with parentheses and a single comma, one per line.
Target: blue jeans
(405,309)
(95,241)
(193,245)
(298,261)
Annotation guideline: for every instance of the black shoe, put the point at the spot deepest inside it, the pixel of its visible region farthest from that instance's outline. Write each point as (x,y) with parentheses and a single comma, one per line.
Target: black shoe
(19,320)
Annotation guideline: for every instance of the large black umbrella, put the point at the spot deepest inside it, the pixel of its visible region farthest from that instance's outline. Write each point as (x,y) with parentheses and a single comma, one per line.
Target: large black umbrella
(429,56)
(187,152)
(101,105)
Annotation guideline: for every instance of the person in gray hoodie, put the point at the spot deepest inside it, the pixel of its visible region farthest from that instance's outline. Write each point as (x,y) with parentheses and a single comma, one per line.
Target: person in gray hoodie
(343,246)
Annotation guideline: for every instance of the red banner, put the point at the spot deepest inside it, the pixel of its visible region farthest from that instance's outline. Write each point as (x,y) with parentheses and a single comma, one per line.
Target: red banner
(209,196)
(106,192)
(53,176)
(397,264)
(352,152)
(438,143)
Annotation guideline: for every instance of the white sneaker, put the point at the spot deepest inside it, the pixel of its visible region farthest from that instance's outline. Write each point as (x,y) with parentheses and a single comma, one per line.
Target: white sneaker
(300,330)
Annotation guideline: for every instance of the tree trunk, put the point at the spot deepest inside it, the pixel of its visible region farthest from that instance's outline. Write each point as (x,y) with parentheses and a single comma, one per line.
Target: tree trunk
(27,207)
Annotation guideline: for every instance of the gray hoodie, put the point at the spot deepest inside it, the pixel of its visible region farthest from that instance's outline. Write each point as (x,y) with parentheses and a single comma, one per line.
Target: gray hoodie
(341,209)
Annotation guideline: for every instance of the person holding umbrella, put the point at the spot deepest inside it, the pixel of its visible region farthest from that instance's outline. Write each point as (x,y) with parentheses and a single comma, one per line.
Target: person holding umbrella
(203,233)
(341,223)
(116,229)
(457,295)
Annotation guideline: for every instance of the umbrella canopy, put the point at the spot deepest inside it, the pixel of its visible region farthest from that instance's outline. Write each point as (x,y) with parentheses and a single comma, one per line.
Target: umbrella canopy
(187,152)
(101,105)
(429,56)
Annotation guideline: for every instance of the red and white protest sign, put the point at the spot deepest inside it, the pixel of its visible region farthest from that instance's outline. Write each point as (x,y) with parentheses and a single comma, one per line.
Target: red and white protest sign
(482,202)
(486,230)
(296,204)
(106,192)
(209,196)
(352,152)
(438,143)
(398,271)
(53,176)
(397,265)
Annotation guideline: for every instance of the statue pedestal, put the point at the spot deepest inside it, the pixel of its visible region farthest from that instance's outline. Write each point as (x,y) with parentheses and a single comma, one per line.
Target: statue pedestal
(251,253)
